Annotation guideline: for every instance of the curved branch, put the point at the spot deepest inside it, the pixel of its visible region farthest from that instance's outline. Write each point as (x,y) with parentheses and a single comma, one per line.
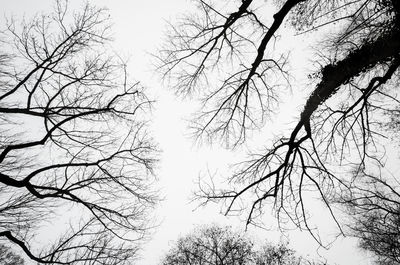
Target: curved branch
(23,246)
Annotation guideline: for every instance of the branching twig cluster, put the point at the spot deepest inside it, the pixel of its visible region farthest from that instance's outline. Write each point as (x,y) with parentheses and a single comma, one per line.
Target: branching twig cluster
(338,124)
(74,141)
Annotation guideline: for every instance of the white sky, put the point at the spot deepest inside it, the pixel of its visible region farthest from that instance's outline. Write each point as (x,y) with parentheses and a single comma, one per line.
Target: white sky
(138,27)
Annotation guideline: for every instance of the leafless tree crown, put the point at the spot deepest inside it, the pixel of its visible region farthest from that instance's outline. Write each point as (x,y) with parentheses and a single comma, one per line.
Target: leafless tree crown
(74,148)
(214,245)
(229,54)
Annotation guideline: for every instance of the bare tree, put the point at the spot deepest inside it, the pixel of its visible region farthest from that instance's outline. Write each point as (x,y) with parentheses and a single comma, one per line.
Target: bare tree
(7,257)
(75,157)
(216,245)
(210,245)
(278,255)
(373,207)
(340,124)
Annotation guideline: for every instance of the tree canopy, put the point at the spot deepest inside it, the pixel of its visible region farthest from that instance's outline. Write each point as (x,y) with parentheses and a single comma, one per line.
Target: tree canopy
(215,245)
(7,257)
(75,154)
(373,207)
(229,55)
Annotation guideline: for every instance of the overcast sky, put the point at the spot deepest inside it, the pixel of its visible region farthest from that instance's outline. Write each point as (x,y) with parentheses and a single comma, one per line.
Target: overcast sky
(138,27)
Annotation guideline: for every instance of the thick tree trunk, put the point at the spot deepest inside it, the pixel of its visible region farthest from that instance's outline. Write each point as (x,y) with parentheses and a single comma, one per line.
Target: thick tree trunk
(384,49)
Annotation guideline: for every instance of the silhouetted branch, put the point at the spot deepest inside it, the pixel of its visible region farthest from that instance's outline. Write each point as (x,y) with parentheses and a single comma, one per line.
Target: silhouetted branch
(75,140)
(340,116)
